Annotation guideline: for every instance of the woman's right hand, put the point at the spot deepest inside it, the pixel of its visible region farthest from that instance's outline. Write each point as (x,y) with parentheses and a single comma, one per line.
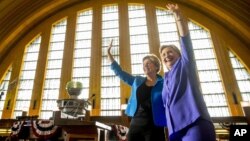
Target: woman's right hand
(110,56)
(173,8)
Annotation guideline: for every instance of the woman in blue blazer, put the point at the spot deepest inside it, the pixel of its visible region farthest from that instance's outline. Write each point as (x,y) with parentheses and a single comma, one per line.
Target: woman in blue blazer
(145,104)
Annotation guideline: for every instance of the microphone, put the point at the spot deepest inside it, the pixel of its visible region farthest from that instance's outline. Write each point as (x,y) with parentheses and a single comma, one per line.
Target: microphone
(92,96)
(89,99)
(2,93)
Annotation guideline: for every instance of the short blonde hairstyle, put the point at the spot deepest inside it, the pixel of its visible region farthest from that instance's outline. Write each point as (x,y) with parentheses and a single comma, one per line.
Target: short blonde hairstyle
(155,60)
(170,46)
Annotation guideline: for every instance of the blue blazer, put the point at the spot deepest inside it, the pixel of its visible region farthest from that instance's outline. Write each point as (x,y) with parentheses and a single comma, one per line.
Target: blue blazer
(158,109)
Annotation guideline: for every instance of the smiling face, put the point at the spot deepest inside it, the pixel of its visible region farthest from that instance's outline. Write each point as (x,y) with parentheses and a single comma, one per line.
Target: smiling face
(151,64)
(149,67)
(169,55)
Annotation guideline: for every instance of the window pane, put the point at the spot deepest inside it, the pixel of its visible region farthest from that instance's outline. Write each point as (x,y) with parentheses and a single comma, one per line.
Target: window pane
(26,81)
(4,87)
(82,52)
(110,84)
(53,70)
(139,45)
(211,84)
(242,77)
(110,107)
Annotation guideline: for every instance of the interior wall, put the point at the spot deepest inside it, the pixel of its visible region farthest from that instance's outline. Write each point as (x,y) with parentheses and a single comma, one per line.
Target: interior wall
(34,24)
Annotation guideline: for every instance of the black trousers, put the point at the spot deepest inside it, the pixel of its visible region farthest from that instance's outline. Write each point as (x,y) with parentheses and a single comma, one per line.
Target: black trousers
(142,130)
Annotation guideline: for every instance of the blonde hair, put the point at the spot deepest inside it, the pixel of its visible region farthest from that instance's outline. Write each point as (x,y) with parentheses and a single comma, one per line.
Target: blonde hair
(155,60)
(170,46)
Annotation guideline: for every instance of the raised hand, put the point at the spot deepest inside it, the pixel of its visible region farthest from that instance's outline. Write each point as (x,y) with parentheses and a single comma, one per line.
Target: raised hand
(181,21)
(110,56)
(110,46)
(172,8)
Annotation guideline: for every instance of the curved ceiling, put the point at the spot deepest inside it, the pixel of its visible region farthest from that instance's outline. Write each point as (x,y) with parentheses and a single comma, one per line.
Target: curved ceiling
(18,16)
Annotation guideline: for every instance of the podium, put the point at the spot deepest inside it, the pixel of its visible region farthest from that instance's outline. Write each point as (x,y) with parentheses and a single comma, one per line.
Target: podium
(74,130)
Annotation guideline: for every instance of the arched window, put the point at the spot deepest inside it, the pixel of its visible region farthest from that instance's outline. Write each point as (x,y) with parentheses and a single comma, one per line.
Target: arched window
(129,25)
(242,77)
(26,81)
(82,52)
(110,84)
(209,76)
(139,46)
(4,88)
(53,70)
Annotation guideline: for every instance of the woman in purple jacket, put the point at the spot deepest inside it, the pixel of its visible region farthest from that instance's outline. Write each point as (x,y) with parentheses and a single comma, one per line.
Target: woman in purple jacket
(186,113)
(145,104)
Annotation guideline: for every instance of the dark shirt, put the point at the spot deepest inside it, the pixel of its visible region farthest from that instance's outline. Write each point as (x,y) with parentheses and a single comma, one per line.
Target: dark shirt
(144,109)
(158,110)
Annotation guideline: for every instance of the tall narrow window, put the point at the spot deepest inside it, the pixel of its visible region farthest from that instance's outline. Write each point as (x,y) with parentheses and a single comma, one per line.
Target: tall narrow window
(4,89)
(242,77)
(210,80)
(167,29)
(139,46)
(53,71)
(82,53)
(110,84)
(26,80)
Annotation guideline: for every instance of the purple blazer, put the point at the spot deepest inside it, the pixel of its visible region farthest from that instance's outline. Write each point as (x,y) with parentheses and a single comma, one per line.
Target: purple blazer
(181,94)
